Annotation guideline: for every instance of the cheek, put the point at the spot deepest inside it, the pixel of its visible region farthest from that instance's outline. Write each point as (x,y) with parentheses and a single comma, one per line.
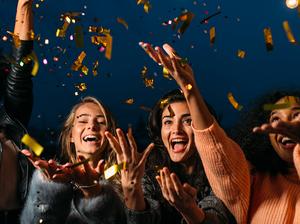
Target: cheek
(164,136)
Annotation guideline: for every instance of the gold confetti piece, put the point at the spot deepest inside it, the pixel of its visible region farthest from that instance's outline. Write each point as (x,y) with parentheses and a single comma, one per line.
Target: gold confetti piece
(106,41)
(129,101)
(268,39)
(81,87)
(78,62)
(163,103)
(31,57)
(166,74)
(149,82)
(114,169)
(233,102)
(212,35)
(99,30)
(111,171)
(32,144)
(144,71)
(123,22)
(270,107)
(16,39)
(95,68)
(78,35)
(61,32)
(188,86)
(186,18)
(147,5)
(288,32)
(172,114)
(85,70)
(241,53)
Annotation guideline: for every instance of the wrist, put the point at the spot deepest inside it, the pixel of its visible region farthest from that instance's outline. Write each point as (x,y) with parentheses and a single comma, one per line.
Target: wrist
(193,214)
(88,190)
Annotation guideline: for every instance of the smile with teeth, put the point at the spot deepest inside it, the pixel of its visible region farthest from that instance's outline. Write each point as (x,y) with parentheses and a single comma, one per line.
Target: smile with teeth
(287,142)
(90,138)
(178,145)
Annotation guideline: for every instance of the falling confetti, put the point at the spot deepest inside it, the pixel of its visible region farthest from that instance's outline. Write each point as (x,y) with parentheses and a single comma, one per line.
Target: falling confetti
(212,35)
(123,22)
(32,144)
(241,53)
(233,102)
(288,32)
(268,39)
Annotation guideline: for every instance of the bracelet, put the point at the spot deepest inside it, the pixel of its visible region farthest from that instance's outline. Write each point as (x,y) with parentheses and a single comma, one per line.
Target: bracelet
(76,186)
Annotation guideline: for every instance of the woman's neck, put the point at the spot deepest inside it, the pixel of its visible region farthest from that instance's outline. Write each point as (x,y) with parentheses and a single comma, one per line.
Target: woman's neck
(190,164)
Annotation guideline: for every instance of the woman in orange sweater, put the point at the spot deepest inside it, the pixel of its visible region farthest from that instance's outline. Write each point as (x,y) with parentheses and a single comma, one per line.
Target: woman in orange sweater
(268,190)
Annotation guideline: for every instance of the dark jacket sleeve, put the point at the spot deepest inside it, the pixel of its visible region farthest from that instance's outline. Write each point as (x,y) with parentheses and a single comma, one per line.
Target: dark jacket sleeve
(215,211)
(152,214)
(47,202)
(106,208)
(18,96)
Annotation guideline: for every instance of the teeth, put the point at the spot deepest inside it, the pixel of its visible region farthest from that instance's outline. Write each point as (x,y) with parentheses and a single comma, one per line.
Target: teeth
(286,140)
(178,141)
(90,138)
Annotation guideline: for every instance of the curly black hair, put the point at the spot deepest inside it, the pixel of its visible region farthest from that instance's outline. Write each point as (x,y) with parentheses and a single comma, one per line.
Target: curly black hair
(257,147)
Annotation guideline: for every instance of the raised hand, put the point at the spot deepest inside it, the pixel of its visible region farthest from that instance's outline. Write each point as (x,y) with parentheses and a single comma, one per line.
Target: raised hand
(182,197)
(289,129)
(131,177)
(178,68)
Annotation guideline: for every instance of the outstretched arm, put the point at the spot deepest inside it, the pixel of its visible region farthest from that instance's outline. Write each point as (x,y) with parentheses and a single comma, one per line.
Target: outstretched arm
(18,97)
(224,162)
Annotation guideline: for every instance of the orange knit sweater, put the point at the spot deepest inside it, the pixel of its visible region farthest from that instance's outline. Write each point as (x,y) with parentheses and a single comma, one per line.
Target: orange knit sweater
(258,198)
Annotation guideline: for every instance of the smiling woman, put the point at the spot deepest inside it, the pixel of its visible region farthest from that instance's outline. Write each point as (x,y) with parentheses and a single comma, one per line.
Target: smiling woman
(52,197)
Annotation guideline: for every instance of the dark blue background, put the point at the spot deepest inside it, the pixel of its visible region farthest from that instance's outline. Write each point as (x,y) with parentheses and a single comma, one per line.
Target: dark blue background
(217,68)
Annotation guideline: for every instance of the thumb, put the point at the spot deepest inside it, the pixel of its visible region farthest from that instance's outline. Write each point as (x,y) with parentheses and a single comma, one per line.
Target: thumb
(190,190)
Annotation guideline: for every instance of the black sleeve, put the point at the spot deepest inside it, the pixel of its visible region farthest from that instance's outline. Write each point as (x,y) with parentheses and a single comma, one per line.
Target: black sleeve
(18,96)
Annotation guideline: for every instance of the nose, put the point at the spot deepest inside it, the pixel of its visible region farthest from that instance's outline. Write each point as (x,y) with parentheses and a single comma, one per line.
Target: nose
(176,127)
(93,125)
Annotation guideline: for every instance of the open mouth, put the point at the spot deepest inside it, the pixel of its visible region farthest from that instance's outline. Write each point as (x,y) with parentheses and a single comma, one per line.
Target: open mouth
(91,138)
(178,145)
(287,143)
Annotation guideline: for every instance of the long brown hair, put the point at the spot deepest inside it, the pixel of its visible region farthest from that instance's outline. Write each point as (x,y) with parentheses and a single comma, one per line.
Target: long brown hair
(68,152)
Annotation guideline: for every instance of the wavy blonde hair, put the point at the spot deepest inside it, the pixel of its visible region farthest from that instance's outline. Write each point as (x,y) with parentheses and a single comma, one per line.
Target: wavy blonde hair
(68,152)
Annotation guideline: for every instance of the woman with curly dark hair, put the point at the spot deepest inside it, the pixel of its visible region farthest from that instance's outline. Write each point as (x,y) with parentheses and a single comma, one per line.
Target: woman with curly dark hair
(267,191)
(258,149)
(179,192)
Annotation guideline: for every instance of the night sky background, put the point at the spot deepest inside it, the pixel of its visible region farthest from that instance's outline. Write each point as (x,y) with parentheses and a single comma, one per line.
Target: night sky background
(217,67)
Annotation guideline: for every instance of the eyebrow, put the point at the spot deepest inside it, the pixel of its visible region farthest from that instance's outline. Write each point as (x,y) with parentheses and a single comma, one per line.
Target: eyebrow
(88,115)
(169,116)
(276,111)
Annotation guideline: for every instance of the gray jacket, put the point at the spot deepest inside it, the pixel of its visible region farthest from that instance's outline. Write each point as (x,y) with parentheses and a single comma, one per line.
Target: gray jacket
(56,203)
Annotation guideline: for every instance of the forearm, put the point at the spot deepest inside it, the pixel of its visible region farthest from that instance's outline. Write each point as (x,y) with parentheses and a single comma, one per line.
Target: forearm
(24,20)
(201,116)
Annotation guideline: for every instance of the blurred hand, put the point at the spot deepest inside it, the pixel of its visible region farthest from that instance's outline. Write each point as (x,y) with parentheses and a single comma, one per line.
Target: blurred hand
(289,129)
